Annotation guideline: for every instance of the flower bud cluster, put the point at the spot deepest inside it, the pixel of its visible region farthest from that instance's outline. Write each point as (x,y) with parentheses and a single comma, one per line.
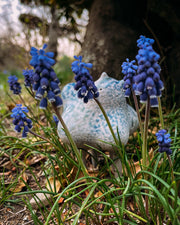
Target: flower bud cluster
(45,81)
(164,141)
(20,120)
(129,70)
(147,80)
(84,81)
(14,84)
(144,41)
(28,77)
(41,58)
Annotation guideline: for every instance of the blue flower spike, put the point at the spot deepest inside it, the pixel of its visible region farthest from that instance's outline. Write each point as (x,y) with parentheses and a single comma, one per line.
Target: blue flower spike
(45,81)
(84,81)
(129,70)
(147,80)
(41,58)
(28,77)
(21,122)
(143,40)
(14,85)
(164,141)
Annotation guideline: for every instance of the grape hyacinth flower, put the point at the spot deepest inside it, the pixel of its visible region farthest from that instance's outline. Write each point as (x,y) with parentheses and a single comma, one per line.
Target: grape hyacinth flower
(56,120)
(5,71)
(28,75)
(45,81)
(84,81)
(129,70)
(147,81)
(144,40)
(41,58)
(14,84)
(164,141)
(20,119)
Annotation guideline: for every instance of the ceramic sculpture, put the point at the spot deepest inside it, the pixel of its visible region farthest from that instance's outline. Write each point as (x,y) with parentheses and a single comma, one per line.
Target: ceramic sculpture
(86,122)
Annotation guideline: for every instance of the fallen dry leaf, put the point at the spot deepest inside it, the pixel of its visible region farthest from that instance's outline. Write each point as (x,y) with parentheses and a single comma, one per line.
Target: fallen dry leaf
(19,186)
(7,165)
(34,160)
(10,106)
(61,200)
(86,192)
(131,206)
(93,172)
(98,194)
(135,167)
(53,185)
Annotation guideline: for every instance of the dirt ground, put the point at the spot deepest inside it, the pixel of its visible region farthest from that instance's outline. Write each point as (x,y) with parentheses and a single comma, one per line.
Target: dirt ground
(15,212)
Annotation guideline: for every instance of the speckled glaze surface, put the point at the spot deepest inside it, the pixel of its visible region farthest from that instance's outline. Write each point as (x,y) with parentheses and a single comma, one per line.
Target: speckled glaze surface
(86,122)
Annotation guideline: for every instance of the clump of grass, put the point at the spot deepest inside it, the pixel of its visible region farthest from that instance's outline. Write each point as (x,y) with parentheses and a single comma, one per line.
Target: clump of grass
(145,192)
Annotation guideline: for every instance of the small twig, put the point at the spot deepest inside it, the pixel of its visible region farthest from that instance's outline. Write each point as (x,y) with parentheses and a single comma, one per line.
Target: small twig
(2,209)
(5,154)
(15,214)
(31,221)
(5,173)
(160,113)
(159,46)
(11,98)
(45,139)
(30,131)
(155,37)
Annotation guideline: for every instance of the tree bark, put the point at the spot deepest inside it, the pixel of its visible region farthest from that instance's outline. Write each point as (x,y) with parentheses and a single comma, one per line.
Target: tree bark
(53,28)
(113,29)
(110,37)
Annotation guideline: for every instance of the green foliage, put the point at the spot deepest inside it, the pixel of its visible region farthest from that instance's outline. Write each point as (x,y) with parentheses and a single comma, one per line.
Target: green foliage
(3,81)
(4,78)
(100,198)
(63,70)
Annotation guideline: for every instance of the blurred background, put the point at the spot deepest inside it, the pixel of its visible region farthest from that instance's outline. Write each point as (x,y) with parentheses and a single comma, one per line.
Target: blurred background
(104,32)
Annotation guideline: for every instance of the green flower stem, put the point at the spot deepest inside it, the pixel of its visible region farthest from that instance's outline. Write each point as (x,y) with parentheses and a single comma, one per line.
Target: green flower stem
(26,105)
(162,126)
(160,113)
(144,147)
(142,108)
(107,120)
(74,146)
(30,91)
(11,98)
(171,167)
(138,112)
(109,125)
(145,134)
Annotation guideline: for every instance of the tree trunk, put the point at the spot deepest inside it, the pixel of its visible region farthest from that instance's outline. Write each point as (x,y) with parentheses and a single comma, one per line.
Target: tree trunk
(110,37)
(53,34)
(113,29)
